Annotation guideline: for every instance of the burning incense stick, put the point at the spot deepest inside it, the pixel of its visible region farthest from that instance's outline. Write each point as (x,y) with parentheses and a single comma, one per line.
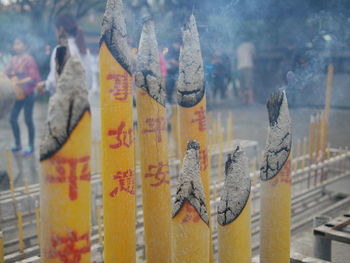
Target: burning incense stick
(190,221)
(152,130)
(65,164)
(234,212)
(192,102)
(117,145)
(275,175)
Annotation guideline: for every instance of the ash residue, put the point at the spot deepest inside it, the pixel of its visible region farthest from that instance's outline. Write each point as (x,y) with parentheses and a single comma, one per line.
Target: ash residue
(113,33)
(66,107)
(190,86)
(148,75)
(279,139)
(190,186)
(236,188)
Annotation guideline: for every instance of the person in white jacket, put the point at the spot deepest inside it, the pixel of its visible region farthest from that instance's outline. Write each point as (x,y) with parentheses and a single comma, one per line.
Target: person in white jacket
(66,25)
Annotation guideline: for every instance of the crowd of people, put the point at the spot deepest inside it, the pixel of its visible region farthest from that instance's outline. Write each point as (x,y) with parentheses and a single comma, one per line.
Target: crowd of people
(23,70)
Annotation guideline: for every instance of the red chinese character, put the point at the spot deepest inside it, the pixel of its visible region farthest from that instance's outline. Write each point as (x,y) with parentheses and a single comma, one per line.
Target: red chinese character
(161,173)
(121,90)
(123,136)
(284,175)
(70,248)
(203,156)
(191,214)
(202,124)
(156,125)
(126,182)
(66,169)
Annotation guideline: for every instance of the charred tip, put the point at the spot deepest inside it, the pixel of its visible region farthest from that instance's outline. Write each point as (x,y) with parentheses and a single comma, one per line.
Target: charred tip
(190,186)
(114,34)
(279,139)
(66,107)
(193,145)
(62,55)
(147,18)
(236,190)
(148,76)
(190,86)
(274,105)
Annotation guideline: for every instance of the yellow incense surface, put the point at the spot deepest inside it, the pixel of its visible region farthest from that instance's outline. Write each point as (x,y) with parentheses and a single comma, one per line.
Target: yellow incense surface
(118,174)
(234,239)
(193,124)
(190,242)
(65,198)
(275,213)
(152,130)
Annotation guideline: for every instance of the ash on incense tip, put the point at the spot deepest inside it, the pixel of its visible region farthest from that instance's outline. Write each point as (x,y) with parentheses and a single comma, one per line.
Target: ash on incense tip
(190,186)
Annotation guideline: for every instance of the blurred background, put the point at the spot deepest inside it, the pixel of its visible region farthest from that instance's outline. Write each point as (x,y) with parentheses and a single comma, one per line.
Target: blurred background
(300,36)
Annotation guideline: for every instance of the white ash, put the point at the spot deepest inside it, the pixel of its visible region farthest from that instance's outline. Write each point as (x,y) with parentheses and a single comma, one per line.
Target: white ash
(236,188)
(148,76)
(190,186)
(279,139)
(7,95)
(114,34)
(190,86)
(66,107)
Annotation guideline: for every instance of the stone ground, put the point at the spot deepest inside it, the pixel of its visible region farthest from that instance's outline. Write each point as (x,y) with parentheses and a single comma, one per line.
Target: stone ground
(249,123)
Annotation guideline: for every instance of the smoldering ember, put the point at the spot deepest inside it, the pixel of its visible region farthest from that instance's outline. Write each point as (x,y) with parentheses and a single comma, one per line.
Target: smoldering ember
(174,131)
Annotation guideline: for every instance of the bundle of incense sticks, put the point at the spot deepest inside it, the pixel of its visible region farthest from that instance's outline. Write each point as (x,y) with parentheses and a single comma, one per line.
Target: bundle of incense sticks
(190,223)
(192,102)
(65,189)
(234,234)
(152,130)
(117,159)
(275,185)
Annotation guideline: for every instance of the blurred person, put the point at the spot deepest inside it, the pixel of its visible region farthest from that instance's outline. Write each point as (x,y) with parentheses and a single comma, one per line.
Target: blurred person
(221,75)
(173,70)
(24,74)
(245,67)
(67,27)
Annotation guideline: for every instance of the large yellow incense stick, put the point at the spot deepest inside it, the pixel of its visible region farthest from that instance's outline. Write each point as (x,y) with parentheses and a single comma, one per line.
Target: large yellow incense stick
(152,130)
(192,102)
(234,234)
(65,189)
(190,223)
(118,174)
(275,175)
